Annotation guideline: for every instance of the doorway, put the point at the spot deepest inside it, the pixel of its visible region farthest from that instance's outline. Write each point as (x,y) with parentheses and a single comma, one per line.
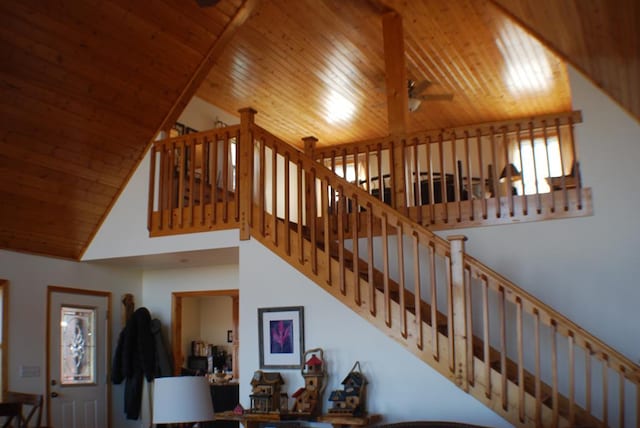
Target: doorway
(78,343)
(182,304)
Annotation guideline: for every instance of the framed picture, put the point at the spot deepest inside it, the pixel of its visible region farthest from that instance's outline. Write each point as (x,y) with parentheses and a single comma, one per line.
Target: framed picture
(229,336)
(281,332)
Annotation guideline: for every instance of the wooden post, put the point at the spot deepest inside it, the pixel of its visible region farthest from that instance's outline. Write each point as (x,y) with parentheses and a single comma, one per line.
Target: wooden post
(397,102)
(245,168)
(309,187)
(459,311)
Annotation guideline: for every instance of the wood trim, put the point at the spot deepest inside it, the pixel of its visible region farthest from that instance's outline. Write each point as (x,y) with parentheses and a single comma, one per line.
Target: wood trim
(4,288)
(176,324)
(81,291)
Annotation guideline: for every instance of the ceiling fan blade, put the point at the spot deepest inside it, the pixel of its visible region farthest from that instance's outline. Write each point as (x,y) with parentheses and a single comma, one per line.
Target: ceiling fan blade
(421,86)
(207,3)
(435,97)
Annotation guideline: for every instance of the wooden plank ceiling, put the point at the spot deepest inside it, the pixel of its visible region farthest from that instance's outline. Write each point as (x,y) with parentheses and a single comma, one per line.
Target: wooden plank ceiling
(85,85)
(295,61)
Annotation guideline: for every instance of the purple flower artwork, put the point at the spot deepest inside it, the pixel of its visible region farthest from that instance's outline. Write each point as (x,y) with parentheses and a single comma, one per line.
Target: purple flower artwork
(281,336)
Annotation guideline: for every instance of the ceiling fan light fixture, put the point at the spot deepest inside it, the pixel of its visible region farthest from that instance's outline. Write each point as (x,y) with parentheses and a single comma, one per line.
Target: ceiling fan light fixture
(414,104)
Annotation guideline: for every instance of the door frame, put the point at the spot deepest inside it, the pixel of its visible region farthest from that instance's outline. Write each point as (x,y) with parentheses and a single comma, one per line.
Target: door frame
(4,289)
(69,290)
(176,324)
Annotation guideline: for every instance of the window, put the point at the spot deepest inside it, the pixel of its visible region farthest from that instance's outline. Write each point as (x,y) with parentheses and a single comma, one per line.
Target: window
(536,162)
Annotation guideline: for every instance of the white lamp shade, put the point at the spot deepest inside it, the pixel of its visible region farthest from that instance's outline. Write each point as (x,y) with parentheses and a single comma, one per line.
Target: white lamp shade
(182,399)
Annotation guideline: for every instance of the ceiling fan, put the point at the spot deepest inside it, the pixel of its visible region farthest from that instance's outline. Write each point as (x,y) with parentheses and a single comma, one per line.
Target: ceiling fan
(207,3)
(416,96)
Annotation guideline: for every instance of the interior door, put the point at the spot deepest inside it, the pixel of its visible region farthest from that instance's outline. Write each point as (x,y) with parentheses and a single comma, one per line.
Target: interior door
(77,364)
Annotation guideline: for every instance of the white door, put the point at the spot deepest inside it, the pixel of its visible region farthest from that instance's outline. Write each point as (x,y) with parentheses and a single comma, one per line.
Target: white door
(78,331)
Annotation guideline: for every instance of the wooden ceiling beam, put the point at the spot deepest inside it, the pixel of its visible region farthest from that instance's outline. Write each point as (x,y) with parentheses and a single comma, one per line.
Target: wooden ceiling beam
(395,73)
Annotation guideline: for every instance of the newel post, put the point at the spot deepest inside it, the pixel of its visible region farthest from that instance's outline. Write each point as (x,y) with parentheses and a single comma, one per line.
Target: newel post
(458,295)
(245,170)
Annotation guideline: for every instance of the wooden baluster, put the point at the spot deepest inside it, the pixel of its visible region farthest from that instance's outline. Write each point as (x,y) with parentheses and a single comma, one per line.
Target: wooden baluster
(525,204)
(563,183)
(417,197)
(469,333)
(203,179)
(447,262)
(554,375)
(503,348)
(456,176)
(538,386)
(152,187)
(300,192)
(416,292)
(469,176)
(434,301)
(356,250)
(192,177)
(621,395)
(162,185)
(482,177)
(638,405)
(236,190)
(367,168)
(587,377)
(214,182)
(333,191)
(546,149)
(402,304)
(355,210)
(520,341)
(486,353)
(225,179)
(494,173)
(605,390)
(372,290)
(183,165)
(312,220)
(385,263)
(324,190)
(287,205)
(345,200)
(274,195)
(380,179)
(432,207)
(535,168)
(507,169)
(572,379)
(443,179)
(576,163)
(261,190)
(171,174)
(341,213)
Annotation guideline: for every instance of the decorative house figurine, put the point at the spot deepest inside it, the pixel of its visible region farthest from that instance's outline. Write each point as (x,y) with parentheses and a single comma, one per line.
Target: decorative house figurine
(308,398)
(351,399)
(265,394)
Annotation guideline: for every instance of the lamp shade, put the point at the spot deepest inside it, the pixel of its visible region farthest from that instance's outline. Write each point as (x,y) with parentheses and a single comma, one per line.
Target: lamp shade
(512,172)
(182,399)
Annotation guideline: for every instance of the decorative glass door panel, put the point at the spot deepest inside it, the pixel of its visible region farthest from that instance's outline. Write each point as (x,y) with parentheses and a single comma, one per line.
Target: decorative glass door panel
(77,345)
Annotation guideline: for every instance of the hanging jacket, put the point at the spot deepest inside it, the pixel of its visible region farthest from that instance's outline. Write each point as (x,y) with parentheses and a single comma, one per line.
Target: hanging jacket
(163,361)
(135,359)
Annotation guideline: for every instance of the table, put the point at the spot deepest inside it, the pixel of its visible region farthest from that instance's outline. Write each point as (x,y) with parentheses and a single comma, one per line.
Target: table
(253,420)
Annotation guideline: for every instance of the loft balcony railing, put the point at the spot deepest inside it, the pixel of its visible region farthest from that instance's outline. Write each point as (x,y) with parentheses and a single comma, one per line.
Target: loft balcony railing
(502,172)
(511,351)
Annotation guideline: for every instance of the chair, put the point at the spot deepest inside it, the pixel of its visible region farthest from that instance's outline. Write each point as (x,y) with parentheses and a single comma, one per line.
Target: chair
(34,401)
(10,410)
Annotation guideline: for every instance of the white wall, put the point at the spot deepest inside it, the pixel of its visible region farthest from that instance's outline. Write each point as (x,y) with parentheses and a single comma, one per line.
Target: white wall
(28,278)
(401,386)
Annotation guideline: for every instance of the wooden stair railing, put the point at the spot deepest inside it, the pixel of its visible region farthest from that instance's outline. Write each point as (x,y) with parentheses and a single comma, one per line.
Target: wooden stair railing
(492,173)
(193,182)
(477,328)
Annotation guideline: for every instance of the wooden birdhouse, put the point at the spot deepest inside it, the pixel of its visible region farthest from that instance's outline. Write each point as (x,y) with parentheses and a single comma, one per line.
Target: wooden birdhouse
(308,398)
(351,399)
(265,394)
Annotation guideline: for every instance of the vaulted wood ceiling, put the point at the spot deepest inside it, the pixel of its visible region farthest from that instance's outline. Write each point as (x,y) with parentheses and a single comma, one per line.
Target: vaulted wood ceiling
(85,86)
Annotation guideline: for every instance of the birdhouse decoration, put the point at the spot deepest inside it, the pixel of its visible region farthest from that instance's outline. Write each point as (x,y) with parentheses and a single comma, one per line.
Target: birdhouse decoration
(308,398)
(351,399)
(266,392)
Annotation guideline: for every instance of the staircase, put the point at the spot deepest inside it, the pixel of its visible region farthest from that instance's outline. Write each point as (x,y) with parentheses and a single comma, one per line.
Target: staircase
(509,350)
(527,362)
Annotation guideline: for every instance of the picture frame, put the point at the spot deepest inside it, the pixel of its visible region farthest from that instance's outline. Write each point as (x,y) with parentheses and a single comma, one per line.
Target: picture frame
(229,336)
(281,336)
